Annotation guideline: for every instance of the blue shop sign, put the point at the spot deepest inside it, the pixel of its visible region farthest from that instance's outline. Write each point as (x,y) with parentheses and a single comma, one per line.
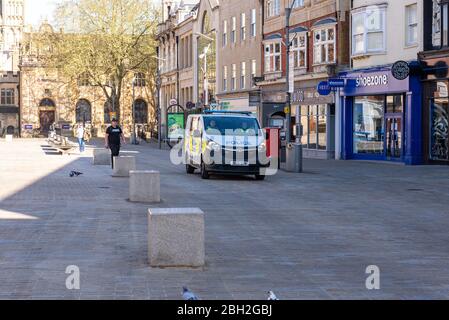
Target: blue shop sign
(28,127)
(337,83)
(323,88)
(374,82)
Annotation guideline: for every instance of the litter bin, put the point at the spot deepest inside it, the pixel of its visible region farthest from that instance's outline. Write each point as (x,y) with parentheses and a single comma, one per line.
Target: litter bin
(294,157)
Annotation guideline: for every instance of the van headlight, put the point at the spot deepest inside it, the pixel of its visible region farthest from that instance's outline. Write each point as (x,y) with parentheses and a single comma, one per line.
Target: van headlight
(262,147)
(212,145)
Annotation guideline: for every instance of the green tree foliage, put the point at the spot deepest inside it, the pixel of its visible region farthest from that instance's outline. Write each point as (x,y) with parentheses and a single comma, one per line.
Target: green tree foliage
(104,41)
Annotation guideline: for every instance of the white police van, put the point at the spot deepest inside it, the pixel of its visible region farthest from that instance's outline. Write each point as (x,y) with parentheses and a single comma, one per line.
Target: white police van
(225,142)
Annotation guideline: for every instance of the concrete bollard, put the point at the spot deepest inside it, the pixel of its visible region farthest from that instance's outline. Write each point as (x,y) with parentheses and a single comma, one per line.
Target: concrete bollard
(176,237)
(8,138)
(123,165)
(145,186)
(102,157)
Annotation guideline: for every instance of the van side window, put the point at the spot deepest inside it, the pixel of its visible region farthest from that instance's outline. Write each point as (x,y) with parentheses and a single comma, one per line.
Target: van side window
(189,124)
(194,124)
(200,125)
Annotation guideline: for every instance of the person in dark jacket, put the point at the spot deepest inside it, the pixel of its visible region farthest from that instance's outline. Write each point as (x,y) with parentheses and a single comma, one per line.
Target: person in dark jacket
(114,139)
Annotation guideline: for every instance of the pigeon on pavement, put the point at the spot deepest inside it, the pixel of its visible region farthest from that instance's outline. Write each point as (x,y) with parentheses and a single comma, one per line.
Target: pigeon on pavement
(272,296)
(188,295)
(75,174)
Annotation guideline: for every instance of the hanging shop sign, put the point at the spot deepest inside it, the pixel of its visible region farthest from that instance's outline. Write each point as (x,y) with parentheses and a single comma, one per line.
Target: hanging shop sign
(323,88)
(400,70)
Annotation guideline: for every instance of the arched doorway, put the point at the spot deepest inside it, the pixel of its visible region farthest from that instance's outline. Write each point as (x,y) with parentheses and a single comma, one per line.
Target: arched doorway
(83,111)
(109,113)
(141,111)
(47,116)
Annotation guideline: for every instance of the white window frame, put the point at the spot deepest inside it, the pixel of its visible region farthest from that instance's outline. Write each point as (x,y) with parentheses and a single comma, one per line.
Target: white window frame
(326,43)
(234,77)
(364,17)
(242,27)
(253,23)
(243,75)
(273,8)
(253,71)
(225,33)
(411,24)
(233,30)
(298,4)
(225,78)
(297,49)
(271,56)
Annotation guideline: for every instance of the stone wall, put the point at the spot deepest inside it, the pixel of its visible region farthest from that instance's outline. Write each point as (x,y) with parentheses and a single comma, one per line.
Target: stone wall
(39,83)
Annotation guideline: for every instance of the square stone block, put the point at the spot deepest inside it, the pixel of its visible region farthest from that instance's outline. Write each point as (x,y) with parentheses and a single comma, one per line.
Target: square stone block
(176,237)
(102,157)
(145,186)
(123,166)
(9,137)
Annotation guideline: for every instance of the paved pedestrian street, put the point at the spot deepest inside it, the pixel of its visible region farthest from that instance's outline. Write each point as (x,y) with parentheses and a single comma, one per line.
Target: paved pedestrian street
(304,236)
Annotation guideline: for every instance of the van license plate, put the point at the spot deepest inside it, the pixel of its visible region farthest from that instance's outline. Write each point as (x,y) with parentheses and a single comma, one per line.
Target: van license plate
(240,163)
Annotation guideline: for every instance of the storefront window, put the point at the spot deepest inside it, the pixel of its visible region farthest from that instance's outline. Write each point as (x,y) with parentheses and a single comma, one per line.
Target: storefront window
(395,104)
(368,125)
(439,134)
(314,122)
(322,131)
(313,127)
(305,125)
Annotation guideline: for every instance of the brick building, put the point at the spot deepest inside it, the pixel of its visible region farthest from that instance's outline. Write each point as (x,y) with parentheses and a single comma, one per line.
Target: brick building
(320,47)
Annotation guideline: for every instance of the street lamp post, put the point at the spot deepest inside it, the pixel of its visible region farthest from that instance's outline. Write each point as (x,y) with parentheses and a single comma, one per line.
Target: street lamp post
(296,147)
(204,56)
(205,80)
(159,109)
(158,89)
(134,136)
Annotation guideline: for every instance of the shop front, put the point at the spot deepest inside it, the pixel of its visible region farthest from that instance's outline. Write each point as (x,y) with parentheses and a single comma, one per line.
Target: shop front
(382,117)
(317,114)
(436,111)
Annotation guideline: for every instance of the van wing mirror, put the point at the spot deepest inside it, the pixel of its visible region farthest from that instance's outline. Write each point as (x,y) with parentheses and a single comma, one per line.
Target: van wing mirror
(197,133)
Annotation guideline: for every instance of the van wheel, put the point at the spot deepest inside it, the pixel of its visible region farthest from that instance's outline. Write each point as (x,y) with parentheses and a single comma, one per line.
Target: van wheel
(260,177)
(204,174)
(190,169)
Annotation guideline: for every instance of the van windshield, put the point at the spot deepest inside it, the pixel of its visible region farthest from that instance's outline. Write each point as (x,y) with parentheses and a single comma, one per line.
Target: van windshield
(231,126)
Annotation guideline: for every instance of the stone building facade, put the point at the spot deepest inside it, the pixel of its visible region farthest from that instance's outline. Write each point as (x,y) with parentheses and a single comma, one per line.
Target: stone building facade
(11,29)
(239,58)
(48,98)
(175,55)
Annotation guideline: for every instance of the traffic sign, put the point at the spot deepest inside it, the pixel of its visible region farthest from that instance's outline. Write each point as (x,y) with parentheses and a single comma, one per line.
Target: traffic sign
(323,88)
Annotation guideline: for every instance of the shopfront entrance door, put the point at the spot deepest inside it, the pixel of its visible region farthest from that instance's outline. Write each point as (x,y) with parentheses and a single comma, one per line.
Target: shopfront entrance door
(393,136)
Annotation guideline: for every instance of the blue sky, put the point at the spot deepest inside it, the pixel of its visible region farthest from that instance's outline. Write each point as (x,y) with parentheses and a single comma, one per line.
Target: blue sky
(37,10)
